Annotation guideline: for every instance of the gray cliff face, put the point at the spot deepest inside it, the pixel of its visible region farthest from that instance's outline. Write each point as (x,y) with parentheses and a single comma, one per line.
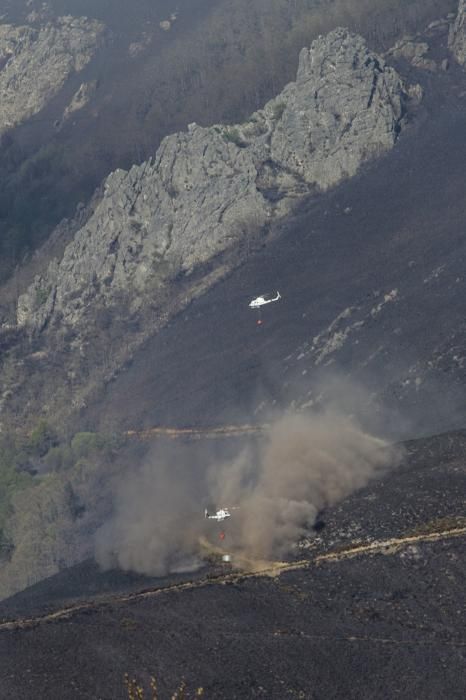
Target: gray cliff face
(457,36)
(345,107)
(209,188)
(36,62)
(414,52)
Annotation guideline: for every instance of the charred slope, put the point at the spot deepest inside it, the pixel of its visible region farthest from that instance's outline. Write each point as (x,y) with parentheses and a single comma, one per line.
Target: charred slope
(372,280)
(344,623)
(166,230)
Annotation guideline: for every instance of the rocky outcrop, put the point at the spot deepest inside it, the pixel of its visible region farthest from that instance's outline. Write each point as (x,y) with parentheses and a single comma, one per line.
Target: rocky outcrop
(414,52)
(81,98)
(457,36)
(208,188)
(36,62)
(345,106)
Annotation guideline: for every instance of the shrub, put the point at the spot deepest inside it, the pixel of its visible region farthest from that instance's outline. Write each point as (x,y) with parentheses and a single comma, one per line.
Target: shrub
(85,444)
(42,438)
(42,294)
(232,135)
(11,481)
(278,109)
(136,690)
(59,458)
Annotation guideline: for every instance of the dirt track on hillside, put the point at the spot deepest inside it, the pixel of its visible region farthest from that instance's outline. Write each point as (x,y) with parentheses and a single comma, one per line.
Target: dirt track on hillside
(386,547)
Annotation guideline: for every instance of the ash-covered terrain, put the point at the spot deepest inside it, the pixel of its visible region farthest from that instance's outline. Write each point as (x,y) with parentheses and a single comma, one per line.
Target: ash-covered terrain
(371,277)
(138,388)
(372,606)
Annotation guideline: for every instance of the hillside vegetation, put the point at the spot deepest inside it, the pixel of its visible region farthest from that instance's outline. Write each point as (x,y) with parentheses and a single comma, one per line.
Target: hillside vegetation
(51,495)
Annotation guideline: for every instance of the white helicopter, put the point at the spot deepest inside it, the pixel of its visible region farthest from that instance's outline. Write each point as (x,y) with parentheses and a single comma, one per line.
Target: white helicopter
(221,514)
(263,299)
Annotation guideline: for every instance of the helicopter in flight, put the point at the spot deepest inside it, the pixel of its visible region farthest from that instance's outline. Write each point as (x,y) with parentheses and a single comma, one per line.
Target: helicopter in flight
(263,299)
(220,514)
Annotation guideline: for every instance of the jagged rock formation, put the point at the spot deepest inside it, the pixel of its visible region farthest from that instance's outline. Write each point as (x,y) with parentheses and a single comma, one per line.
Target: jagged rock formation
(80,98)
(208,188)
(36,62)
(457,36)
(414,52)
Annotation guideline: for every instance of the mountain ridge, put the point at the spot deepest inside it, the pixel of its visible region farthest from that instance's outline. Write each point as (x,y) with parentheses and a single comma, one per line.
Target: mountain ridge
(145,82)
(209,190)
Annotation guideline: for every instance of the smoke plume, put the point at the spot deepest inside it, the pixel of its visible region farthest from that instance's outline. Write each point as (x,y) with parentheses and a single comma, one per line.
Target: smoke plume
(153,528)
(275,489)
(305,464)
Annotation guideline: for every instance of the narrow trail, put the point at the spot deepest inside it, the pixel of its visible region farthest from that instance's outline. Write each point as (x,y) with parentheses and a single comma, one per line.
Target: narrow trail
(196,433)
(390,546)
(436,642)
(387,547)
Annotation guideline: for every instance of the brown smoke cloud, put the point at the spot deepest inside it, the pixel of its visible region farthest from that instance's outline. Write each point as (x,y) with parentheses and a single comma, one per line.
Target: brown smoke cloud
(307,463)
(153,529)
(304,463)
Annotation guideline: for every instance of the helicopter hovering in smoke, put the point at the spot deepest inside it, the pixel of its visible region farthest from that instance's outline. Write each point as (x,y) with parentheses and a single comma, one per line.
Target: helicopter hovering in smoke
(219,515)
